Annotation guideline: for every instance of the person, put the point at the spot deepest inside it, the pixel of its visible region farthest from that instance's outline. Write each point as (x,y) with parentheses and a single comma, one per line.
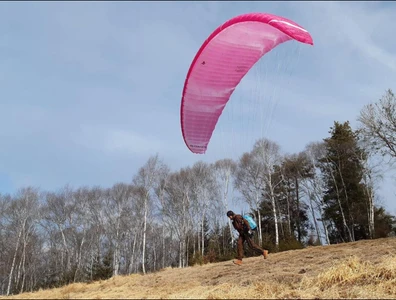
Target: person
(245,233)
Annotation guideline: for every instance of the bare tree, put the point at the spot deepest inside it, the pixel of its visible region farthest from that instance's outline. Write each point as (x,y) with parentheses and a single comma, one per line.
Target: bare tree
(160,193)
(378,124)
(82,227)
(249,182)
(117,205)
(267,154)
(135,215)
(22,214)
(225,170)
(95,209)
(149,178)
(176,206)
(371,175)
(58,212)
(6,247)
(206,193)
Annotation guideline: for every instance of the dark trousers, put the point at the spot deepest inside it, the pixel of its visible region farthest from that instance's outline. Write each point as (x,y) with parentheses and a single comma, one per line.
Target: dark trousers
(244,237)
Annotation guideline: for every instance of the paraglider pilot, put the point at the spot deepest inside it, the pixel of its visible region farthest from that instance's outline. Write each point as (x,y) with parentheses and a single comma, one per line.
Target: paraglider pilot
(245,234)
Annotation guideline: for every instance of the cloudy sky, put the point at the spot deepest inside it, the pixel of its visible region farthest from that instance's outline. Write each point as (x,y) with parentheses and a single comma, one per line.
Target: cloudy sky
(90,90)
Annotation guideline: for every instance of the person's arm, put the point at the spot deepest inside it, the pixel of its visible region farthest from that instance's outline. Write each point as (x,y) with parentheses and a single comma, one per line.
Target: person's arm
(241,223)
(238,223)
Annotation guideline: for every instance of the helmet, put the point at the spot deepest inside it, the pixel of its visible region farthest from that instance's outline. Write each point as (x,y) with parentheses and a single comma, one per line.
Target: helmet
(230,213)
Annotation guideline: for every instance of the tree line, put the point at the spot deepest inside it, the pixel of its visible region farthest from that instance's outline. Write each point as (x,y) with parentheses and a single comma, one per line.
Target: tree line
(325,194)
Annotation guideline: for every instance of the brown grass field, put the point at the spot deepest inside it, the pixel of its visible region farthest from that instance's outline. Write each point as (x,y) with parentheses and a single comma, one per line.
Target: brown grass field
(364,269)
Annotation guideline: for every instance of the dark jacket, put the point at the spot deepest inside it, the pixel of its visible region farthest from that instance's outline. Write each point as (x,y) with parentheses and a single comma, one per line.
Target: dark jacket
(240,224)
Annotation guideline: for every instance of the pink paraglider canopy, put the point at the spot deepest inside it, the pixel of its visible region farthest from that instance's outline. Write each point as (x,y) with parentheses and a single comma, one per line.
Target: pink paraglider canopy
(221,63)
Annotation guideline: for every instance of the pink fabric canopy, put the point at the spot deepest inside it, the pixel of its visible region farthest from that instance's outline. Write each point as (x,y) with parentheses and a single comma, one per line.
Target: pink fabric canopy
(220,64)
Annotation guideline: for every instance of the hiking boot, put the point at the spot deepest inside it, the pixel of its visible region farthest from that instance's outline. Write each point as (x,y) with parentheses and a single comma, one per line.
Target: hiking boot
(265,254)
(238,262)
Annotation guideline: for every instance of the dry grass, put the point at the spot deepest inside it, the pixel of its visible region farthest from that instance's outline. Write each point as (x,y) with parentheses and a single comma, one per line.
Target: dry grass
(364,269)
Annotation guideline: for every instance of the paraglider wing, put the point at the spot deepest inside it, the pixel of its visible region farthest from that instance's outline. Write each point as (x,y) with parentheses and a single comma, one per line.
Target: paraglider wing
(221,63)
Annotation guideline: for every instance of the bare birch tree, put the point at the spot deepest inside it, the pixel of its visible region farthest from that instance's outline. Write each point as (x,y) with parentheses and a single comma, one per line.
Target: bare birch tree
(58,212)
(176,206)
(249,182)
(149,178)
(23,214)
(378,124)
(371,175)
(117,205)
(225,170)
(267,154)
(206,191)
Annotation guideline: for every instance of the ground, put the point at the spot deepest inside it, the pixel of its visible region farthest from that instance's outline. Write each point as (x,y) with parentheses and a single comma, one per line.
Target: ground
(363,269)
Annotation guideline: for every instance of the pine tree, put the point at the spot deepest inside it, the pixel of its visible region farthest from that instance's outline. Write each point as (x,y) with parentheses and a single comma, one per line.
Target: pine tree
(103,268)
(344,197)
(295,169)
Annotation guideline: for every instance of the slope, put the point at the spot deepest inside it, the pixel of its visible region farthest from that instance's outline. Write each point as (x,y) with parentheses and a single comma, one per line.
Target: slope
(363,269)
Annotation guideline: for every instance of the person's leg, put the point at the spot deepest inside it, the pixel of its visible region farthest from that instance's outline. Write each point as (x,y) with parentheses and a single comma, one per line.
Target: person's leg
(238,261)
(240,247)
(256,248)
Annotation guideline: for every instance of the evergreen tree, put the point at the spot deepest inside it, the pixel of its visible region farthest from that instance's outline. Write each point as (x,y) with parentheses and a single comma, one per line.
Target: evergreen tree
(295,169)
(103,268)
(385,223)
(345,203)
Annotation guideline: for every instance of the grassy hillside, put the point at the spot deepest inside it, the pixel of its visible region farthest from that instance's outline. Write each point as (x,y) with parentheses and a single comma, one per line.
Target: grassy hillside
(364,269)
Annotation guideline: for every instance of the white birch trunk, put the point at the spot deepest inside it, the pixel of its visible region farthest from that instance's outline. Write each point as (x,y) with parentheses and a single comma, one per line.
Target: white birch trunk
(163,246)
(260,234)
(133,255)
(314,218)
(13,262)
(340,206)
(144,236)
(275,215)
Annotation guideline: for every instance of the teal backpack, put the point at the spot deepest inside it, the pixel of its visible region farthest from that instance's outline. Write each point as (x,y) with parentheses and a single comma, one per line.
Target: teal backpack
(252,224)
